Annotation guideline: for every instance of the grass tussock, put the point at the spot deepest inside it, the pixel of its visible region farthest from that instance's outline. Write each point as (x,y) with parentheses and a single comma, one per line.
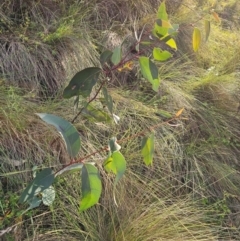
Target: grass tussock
(35,37)
(140,215)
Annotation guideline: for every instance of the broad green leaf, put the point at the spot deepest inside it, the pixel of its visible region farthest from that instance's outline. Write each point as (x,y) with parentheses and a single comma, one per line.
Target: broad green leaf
(196,39)
(113,145)
(67,130)
(105,56)
(42,181)
(82,83)
(109,166)
(108,99)
(207,29)
(150,72)
(155,84)
(34,203)
(91,186)
(116,163)
(73,167)
(159,31)
(48,196)
(162,13)
(95,114)
(161,55)
(117,55)
(148,149)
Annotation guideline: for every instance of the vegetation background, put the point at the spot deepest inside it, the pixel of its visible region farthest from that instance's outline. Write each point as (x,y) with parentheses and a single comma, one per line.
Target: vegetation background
(192,191)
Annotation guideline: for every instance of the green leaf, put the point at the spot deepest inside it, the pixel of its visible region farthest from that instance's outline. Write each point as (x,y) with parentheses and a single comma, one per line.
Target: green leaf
(117,55)
(116,163)
(108,99)
(48,196)
(34,203)
(207,29)
(196,39)
(82,83)
(162,13)
(171,42)
(73,167)
(67,130)
(160,55)
(105,56)
(95,114)
(150,72)
(159,31)
(148,149)
(113,145)
(91,186)
(42,181)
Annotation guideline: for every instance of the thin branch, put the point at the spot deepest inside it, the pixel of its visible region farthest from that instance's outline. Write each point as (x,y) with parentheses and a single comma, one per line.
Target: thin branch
(106,148)
(92,99)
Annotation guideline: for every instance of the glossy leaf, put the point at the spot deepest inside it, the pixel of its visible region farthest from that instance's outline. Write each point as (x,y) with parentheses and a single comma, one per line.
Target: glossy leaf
(116,164)
(150,72)
(73,167)
(48,196)
(108,99)
(105,56)
(161,55)
(159,31)
(67,130)
(113,145)
(148,149)
(196,41)
(171,43)
(95,114)
(42,181)
(207,29)
(117,55)
(82,83)
(162,13)
(91,186)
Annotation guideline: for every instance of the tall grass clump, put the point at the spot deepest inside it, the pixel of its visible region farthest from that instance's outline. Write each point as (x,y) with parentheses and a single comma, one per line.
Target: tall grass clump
(43,42)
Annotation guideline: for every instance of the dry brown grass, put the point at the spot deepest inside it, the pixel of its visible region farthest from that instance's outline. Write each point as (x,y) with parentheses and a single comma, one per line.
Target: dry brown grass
(35,38)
